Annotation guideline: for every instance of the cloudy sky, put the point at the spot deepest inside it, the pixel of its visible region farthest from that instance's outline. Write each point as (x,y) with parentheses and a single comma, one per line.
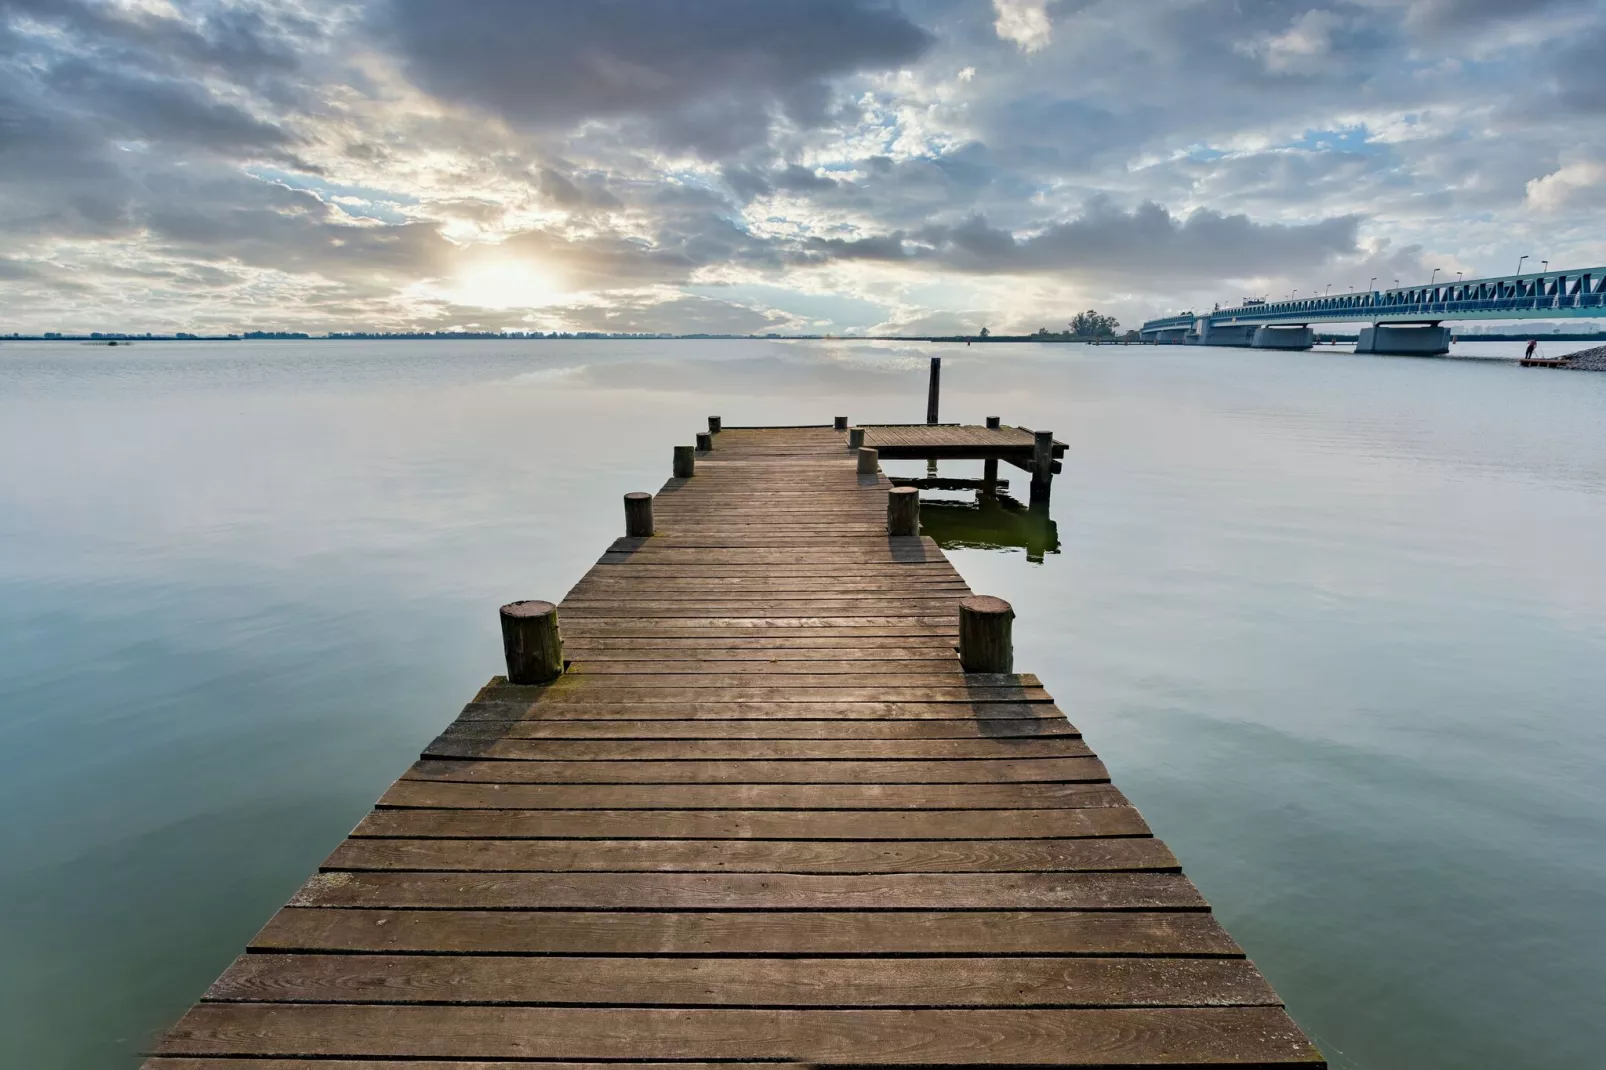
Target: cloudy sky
(844,166)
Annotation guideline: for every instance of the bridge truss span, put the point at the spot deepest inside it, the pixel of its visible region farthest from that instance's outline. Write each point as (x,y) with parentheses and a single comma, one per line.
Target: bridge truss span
(1579,292)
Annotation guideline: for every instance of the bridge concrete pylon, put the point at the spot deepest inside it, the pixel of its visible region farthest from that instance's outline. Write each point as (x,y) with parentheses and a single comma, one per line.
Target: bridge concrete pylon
(1404,339)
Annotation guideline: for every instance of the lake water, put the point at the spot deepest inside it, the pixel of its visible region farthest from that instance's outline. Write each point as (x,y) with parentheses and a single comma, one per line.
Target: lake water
(1336,623)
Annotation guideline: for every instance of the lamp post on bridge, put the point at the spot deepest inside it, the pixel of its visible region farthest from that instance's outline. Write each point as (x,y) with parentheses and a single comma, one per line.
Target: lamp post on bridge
(1435,276)
(1520,259)
(1372,282)
(1544,265)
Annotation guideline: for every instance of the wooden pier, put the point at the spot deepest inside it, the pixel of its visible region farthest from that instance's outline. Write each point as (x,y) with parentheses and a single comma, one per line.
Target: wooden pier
(763,816)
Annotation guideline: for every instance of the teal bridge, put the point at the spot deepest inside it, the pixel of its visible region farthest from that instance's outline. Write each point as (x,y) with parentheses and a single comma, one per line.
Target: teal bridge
(1405,320)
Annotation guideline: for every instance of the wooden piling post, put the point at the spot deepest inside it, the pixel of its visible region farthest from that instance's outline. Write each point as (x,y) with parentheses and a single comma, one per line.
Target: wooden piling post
(840,423)
(985,642)
(903,511)
(685,461)
(531,642)
(713,425)
(992,423)
(869,461)
(705,442)
(638,515)
(1042,464)
(933,390)
(856,438)
(989,476)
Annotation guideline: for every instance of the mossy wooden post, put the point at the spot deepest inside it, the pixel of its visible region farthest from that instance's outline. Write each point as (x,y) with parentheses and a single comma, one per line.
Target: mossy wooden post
(685,461)
(985,643)
(1042,465)
(713,425)
(856,438)
(903,511)
(840,423)
(705,442)
(869,461)
(638,515)
(933,389)
(531,642)
(992,423)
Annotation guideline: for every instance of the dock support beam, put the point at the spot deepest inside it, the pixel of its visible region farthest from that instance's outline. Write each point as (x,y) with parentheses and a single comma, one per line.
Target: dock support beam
(1042,465)
(638,515)
(985,642)
(903,511)
(531,642)
(933,390)
(869,461)
(989,477)
(685,461)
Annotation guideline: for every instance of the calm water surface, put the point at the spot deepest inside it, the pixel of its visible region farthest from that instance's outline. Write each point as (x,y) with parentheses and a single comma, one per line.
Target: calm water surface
(1337,624)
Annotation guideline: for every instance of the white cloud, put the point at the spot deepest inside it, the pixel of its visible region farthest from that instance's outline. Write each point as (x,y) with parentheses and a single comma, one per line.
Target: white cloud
(1569,186)
(1024,22)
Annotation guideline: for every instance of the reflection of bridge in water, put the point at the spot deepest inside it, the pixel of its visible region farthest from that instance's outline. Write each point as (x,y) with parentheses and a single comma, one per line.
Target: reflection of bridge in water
(1406,320)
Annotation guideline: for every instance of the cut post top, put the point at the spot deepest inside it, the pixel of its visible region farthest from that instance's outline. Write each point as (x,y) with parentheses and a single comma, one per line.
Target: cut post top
(705,442)
(713,425)
(869,461)
(840,423)
(529,607)
(992,423)
(856,438)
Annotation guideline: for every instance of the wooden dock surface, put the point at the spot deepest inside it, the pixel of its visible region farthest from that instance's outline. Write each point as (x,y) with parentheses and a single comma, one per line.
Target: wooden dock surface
(764,818)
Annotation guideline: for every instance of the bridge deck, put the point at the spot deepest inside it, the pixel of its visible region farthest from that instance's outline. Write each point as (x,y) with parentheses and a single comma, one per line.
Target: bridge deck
(764,818)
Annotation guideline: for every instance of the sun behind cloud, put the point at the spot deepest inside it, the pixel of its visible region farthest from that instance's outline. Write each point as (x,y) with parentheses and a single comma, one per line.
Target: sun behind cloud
(504,282)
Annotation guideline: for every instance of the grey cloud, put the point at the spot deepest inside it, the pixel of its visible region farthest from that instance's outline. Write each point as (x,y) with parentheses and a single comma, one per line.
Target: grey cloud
(1145,242)
(701,74)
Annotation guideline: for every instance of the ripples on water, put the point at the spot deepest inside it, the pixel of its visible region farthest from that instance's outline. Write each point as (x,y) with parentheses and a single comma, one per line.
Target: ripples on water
(1338,625)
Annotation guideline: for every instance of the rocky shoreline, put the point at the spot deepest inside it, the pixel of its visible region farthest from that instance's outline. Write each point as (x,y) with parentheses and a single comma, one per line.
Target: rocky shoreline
(1587,360)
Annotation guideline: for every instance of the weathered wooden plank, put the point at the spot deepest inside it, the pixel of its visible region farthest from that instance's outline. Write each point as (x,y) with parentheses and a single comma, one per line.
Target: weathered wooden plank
(608,709)
(250,1062)
(822,728)
(901,932)
(749,891)
(1094,855)
(583,683)
(796,648)
(754,824)
(464,744)
(1263,1036)
(438,794)
(598,690)
(788,982)
(888,771)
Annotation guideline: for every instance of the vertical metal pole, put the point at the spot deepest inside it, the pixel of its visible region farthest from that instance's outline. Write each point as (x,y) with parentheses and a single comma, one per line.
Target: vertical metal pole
(933,390)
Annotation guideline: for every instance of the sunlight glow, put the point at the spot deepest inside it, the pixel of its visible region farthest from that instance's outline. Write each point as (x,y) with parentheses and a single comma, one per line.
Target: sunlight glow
(505,283)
